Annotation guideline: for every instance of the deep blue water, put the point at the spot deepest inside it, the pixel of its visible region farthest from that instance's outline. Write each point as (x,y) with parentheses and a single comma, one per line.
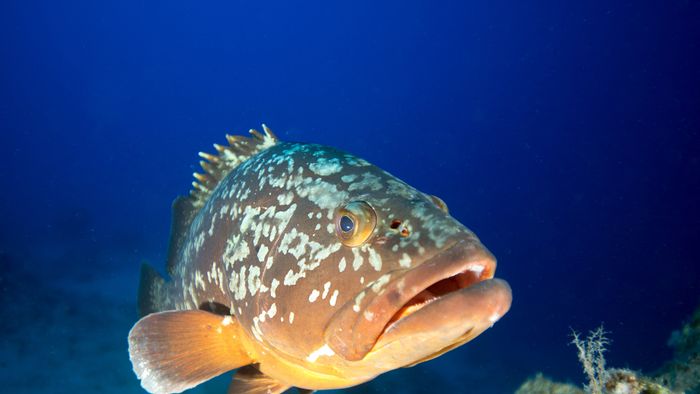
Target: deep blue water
(565,134)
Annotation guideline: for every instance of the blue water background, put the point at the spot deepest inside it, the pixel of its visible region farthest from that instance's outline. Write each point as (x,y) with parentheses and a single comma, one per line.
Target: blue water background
(565,134)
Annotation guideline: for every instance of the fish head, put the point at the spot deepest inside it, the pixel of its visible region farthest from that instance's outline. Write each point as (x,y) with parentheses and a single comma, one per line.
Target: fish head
(436,289)
(368,274)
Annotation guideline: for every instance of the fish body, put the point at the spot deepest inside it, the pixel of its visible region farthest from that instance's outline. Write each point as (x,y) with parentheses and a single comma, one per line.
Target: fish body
(326,270)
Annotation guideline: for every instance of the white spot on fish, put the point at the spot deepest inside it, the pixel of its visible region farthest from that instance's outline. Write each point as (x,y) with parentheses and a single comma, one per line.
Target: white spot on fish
(358,300)
(401,285)
(314,295)
(198,242)
(379,283)
(341,265)
(283,218)
(348,178)
(248,219)
(317,253)
(326,287)
(324,194)
(334,297)
(291,317)
(236,250)
(368,315)
(226,321)
(405,260)
(291,278)
(375,260)
(199,280)
(324,350)
(325,166)
(253,279)
(285,198)
(358,260)
(262,252)
(238,284)
(273,287)
(255,328)
(369,181)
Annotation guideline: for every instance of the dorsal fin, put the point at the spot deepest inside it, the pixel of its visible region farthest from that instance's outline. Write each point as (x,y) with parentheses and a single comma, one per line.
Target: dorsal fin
(183,212)
(216,167)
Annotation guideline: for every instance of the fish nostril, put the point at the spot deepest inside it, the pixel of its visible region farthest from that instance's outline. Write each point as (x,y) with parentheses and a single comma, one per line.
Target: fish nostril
(403,230)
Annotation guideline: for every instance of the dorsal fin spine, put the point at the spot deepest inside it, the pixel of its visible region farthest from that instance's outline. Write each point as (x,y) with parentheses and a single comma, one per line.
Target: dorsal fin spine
(269,132)
(207,166)
(256,134)
(208,157)
(233,139)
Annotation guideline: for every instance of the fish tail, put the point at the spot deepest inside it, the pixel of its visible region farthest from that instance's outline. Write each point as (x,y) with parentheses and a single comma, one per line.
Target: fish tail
(151,295)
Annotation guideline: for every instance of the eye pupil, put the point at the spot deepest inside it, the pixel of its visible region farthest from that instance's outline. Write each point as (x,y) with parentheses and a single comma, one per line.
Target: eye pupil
(346,224)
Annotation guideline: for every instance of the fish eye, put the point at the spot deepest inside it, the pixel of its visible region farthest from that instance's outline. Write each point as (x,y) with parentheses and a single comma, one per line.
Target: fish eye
(346,224)
(355,222)
(439,203)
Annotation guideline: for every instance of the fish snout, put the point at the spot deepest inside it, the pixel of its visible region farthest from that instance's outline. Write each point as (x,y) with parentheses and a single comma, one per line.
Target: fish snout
(454,288)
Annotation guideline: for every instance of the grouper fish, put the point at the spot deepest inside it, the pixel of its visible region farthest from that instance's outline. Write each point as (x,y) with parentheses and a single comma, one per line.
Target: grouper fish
(303,266)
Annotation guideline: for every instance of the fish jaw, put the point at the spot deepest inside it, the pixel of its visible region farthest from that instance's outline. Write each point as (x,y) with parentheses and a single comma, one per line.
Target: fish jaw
(447,298)
(447,322)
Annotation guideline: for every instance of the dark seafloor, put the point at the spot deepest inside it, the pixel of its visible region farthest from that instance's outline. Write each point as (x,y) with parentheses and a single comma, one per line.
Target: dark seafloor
(565,134)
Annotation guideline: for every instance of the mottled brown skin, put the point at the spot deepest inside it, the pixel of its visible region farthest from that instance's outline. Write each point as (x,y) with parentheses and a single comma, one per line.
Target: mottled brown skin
(265,249)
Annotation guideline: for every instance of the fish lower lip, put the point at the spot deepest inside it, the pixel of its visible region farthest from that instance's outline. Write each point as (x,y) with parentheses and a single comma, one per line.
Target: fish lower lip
(472,274)
(355,329)
(472,309)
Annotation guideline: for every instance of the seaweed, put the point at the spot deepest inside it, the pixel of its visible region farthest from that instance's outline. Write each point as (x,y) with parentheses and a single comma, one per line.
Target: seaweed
(682,373)
(590,354)
(542,385)
(679,375)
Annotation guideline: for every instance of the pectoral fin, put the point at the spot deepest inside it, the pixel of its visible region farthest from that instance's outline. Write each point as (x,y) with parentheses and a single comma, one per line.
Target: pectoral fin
(177,350)
(249,380)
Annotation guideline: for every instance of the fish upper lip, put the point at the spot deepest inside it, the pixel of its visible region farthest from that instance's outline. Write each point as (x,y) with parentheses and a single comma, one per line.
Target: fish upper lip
(355,329)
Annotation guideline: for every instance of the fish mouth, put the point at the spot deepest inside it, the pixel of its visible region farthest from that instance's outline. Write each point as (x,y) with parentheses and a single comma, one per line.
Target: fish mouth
(453,294)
